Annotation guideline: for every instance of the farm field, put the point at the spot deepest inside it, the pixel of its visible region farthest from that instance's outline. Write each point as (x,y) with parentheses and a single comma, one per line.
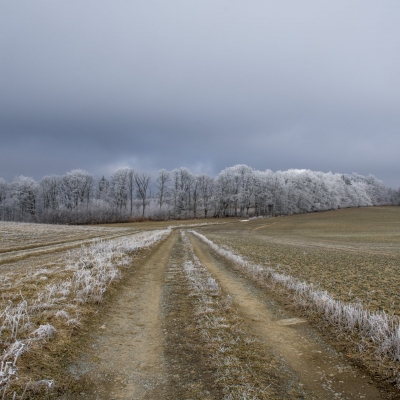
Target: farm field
(159,312)
(354,254)
(16,236)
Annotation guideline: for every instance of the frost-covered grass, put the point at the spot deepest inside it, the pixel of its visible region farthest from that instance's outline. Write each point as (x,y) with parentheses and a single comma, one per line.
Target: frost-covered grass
(95,267)
(55,304)
(376,331)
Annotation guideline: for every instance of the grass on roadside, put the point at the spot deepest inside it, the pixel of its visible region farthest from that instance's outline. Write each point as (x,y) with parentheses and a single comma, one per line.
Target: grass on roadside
(43,311)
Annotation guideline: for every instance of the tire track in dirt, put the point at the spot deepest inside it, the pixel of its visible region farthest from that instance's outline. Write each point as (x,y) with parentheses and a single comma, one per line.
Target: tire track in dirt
(262,226)
(314,244)
(216,358)
(324,373)
(127,359)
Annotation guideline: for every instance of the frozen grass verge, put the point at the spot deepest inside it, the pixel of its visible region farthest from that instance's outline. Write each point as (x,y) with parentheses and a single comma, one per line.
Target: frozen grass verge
(86,275)
(377,332)
(96,266)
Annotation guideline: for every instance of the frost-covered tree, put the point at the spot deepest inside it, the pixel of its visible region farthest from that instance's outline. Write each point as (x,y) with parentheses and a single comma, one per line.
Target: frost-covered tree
(183,181)
(131,186)
(3,195)
(102,190)
(24,192)
(76,188)
(161,183)
(79,197)
(119,189)
(51,191)
(142,181)
(225,192)
(206,191)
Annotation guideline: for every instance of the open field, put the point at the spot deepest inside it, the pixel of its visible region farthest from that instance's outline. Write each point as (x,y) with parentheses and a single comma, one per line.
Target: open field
(154,312)
(354,254)
(16,236)
(338,268)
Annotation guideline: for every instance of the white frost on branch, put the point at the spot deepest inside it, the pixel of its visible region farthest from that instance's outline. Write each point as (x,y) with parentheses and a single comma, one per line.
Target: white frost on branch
(79,197)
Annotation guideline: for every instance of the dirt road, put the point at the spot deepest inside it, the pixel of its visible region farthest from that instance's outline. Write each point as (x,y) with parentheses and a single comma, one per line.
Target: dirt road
(185,326)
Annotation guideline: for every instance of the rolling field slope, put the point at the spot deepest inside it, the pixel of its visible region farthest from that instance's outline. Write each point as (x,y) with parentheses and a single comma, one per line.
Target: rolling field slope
(354,254)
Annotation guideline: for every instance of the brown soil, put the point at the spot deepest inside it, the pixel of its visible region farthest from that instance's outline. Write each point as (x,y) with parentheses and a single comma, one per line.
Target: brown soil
(354,254)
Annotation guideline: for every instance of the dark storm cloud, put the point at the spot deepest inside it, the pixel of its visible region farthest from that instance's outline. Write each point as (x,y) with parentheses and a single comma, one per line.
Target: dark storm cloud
(206,85)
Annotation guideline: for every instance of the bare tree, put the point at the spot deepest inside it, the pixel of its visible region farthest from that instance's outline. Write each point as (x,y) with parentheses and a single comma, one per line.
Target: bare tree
(25,191)
(3,196)
(161,183)
(131,184)
(184,193)
(76,187)
(142,181)
(50,187)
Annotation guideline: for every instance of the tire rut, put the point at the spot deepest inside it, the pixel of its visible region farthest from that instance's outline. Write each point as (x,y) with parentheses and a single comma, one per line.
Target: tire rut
(324,373)
(207,352)
(126,360)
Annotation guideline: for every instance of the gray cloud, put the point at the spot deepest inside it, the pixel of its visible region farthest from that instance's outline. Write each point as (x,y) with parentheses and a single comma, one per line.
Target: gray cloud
(205,85)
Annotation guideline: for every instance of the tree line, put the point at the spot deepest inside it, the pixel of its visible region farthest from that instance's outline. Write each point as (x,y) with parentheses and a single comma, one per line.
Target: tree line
(79,197)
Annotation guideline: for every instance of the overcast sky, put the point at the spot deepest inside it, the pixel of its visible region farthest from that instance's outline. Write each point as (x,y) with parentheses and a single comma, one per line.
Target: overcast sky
(202,84)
